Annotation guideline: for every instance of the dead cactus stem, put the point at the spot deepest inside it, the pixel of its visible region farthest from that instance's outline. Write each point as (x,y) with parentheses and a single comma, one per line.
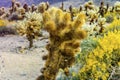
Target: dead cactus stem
(65,37)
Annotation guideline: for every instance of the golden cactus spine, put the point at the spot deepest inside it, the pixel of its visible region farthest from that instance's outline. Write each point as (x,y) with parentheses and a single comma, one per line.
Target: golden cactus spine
(65,37)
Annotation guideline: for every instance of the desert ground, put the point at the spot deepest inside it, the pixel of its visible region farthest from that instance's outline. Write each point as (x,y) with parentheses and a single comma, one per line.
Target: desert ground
(19,63)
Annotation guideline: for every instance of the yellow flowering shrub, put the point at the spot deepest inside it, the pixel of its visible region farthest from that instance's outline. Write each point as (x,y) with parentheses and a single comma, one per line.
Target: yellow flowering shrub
(115,25)
(2,23)
(110,16)
(100,60)
(113,14)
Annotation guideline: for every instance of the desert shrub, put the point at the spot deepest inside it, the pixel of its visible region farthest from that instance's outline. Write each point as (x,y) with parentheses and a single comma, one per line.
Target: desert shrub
(100,61)
(109,18)
(115,25)
(2,23)
(7,31)
(87,45)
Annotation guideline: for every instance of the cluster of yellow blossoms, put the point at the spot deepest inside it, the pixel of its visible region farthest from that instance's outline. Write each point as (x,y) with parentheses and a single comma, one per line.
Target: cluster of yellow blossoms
(2,23)
(115,25)
(100,60)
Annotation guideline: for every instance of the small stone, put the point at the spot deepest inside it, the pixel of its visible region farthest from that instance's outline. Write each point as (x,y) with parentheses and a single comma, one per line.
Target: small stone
(42,70)
(23,74)
(43,51)
(44,57)
(41,77)
(3,66)
(47,41)
(2,61)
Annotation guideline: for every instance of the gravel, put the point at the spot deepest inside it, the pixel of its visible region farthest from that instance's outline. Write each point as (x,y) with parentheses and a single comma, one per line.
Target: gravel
(17,62)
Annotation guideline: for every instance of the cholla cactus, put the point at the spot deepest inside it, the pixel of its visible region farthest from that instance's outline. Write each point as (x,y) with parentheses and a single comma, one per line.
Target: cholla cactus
(62,6)
(26,7)
(65,37)
(73,11)
(34,15)
(89,5)
(21,10)
(92,30)
(93,16)
(117,6)
(102,9)
(42,7)
(30,27)
(101,22)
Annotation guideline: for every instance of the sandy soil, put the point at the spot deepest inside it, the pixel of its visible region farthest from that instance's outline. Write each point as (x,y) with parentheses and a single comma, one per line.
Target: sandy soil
(19,63)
